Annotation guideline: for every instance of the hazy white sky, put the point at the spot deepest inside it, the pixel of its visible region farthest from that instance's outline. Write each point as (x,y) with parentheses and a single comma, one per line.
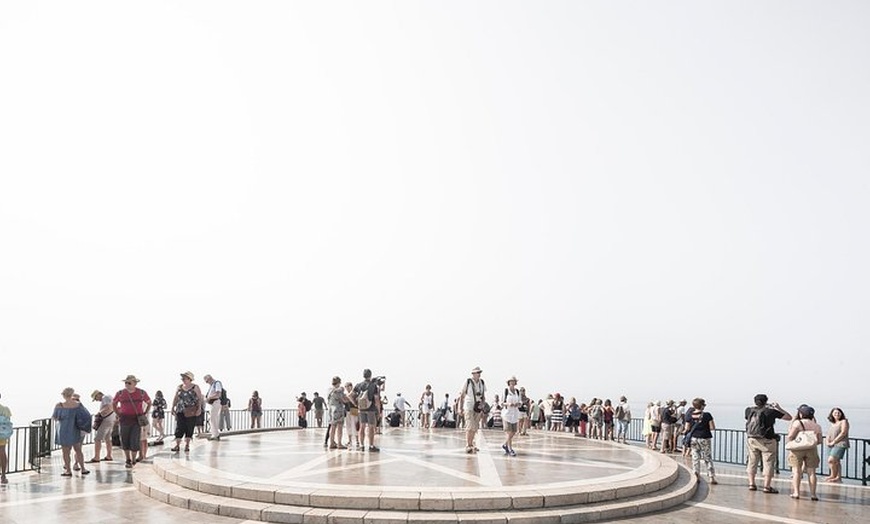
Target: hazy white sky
(661,200)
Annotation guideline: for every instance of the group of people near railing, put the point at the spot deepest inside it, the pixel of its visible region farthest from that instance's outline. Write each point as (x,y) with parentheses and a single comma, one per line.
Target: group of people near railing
(129,417)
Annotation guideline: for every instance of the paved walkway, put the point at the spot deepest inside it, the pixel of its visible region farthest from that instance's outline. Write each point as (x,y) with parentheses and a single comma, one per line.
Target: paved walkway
(410,459)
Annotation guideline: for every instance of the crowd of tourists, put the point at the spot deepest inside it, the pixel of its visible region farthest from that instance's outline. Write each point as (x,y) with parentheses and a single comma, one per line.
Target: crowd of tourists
(128,417)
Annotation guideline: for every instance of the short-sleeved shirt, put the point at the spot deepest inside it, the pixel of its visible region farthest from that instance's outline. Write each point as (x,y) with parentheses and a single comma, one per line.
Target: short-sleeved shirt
(703,429)
(130,405)
(106,401)
(766,417)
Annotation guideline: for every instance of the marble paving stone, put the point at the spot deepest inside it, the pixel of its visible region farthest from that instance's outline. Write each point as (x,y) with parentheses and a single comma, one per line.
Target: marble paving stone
(480,501)
(242,509)
(436,501)
(256,492)
(346,516)
(400,501)
(386,517)
(284,514)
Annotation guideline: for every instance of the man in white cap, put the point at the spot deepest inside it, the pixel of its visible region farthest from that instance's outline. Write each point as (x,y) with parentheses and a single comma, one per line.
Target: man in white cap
(472,399)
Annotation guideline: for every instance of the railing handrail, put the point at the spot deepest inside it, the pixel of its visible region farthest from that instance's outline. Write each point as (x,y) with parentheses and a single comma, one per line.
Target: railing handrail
(30,443)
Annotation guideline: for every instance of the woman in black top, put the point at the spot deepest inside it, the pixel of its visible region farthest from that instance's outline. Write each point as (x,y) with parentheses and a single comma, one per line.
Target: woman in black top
(699,428)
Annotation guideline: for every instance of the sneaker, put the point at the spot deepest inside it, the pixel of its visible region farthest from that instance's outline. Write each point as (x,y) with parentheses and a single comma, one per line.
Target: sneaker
(128,464)
(505,448)
(374,449)
(469,449)
(513,453)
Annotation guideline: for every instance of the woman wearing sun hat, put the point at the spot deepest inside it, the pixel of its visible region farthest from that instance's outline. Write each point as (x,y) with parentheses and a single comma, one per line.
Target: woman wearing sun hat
(129,404)
(511,415)
(187,406)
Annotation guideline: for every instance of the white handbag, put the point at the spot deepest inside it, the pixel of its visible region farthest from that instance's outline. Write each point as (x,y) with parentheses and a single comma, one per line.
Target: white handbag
(803,441)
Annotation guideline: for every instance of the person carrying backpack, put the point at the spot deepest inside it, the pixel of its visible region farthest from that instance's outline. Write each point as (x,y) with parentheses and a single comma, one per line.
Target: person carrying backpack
(761,440)
(366,396)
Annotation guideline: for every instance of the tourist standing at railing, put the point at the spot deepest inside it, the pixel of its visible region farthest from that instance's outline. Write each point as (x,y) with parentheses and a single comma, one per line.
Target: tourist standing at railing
(679,430)
(622,414)
(318,402)
(698,427)
(226,419)
(158,416)
(72,418)
(130,403)
(106,416)
(837,442)
(427,406)
(557,410)
(807,459)
(596,418)
(572,417)
(761,441)
(402,405)
(608,419)
(187,406)
(6,430)
(668,422)
(647,424)
(255,406)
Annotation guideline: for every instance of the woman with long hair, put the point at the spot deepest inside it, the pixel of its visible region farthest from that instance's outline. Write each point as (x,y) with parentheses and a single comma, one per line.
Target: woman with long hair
(837,442)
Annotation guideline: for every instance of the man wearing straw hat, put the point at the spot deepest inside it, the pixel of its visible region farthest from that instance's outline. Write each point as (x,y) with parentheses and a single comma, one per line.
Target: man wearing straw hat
(104,429)
(472,398)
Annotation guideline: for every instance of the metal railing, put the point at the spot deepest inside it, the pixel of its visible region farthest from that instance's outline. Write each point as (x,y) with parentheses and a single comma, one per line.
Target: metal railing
(31,443)
(729,447)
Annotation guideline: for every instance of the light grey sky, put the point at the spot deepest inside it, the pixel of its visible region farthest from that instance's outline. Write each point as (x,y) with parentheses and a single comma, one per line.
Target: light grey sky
(655,199)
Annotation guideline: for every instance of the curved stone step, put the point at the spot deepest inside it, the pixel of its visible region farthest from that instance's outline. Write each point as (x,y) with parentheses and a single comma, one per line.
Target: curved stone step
(148,481)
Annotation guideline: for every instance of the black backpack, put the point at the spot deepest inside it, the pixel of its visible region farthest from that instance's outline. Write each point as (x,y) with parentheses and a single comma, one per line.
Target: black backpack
(224,399)
(754,426)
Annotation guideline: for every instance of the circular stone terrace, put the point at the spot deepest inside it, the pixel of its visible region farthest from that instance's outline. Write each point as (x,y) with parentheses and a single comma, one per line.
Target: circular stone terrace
(419,475)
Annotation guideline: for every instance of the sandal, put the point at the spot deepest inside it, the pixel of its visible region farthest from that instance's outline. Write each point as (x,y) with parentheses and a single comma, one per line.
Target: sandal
(186,448)
(769,489)
(174,449)
(795,496)
(108,459)
(94,460)
(85,471)
(753,487)
(66,473)
(814,499)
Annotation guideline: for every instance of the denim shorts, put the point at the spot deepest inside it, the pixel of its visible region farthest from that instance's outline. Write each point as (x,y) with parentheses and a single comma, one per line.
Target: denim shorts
(838,452)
